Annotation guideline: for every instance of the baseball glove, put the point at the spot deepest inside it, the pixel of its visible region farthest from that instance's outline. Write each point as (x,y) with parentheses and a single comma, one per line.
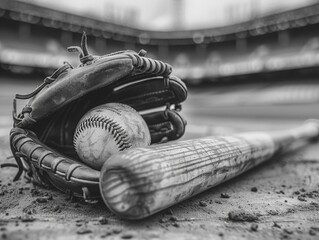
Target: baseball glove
(42,137)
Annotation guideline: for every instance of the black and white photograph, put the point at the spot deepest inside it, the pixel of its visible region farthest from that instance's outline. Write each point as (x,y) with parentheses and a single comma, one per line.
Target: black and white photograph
(159,119)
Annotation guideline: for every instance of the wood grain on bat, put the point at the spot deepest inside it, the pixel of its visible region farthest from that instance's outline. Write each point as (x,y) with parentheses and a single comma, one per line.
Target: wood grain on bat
(139,182)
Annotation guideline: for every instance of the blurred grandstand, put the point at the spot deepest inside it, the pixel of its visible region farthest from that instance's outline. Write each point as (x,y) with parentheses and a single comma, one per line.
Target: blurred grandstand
(34,39)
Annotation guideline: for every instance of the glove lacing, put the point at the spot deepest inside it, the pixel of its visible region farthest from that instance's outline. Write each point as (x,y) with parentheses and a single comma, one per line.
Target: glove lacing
(48,80)
(18,118)
(85,57)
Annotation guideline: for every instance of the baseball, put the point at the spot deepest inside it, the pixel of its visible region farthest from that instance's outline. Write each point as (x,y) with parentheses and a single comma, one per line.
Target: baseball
(108,129)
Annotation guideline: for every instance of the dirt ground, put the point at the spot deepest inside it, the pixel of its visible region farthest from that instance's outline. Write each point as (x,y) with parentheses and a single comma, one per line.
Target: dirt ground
(277,200)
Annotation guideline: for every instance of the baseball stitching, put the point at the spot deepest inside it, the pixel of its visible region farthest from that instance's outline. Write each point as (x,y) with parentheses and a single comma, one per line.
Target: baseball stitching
(120,136)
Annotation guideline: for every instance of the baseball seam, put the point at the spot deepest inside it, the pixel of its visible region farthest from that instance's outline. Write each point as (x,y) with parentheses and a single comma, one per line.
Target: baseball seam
(120,136)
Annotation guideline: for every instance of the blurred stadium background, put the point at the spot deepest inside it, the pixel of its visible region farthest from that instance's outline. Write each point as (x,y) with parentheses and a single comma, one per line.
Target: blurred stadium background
(254,61)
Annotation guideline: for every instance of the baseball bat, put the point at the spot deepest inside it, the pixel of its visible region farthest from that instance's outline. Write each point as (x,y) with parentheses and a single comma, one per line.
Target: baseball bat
(142,181)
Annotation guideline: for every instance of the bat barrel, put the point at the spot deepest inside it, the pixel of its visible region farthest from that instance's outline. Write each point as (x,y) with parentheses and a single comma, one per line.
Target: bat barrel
(142,181)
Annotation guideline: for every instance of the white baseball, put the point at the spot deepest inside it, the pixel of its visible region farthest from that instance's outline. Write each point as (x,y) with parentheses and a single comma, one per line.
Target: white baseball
(108,129)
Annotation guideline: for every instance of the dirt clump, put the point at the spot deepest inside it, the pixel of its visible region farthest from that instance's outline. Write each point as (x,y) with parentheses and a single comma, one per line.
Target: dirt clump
(202,204)
(242,216)
(224,195)
(254,227)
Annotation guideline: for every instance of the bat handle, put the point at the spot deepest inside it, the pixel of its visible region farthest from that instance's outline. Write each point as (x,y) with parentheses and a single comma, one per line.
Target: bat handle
(308,131)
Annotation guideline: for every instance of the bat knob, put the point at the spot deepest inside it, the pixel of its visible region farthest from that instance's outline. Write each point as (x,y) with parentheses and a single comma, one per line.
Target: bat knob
(314,123)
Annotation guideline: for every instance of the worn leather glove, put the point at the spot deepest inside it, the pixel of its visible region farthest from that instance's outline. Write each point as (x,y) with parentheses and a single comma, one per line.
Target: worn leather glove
(42,137)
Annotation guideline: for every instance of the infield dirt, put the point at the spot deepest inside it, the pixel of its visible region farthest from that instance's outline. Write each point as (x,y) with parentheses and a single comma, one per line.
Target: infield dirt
(276,200)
